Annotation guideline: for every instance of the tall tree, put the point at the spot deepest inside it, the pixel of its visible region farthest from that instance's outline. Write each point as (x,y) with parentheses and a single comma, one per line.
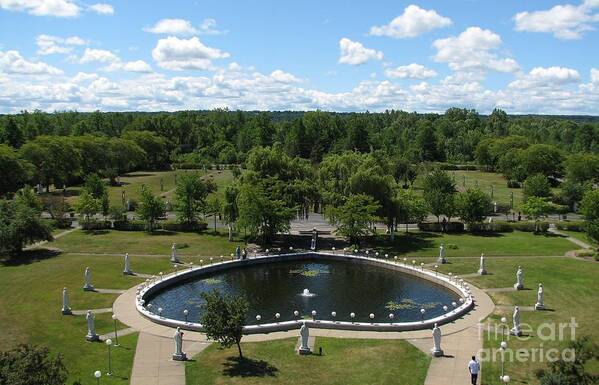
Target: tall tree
(151,208)
(354,217)
(439,191)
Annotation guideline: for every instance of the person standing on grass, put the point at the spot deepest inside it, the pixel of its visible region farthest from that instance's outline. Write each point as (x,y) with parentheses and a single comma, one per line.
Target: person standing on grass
(474,368)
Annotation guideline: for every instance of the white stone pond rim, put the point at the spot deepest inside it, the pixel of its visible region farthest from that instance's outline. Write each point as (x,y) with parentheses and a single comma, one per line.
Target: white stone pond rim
(448,282)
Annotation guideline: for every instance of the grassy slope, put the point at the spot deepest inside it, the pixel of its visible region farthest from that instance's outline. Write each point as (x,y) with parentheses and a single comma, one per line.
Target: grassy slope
(345,361)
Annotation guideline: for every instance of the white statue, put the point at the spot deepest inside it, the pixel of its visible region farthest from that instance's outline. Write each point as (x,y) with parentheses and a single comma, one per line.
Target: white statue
(516,329)
(436,351)
(519,285)
(304,335)
(127,269)
(540,305)
(179,355)
(174,257)
(66,309)
(441,259)
(481,269)
(87,276)
(91,330)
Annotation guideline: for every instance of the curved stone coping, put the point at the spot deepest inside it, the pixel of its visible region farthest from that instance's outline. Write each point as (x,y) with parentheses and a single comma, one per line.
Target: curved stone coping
(185,274)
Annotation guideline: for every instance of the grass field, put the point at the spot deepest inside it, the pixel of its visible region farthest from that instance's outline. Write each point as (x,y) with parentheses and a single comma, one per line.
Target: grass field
(515,243)
(140,242)
(571,288)
(344,362)
(31,301)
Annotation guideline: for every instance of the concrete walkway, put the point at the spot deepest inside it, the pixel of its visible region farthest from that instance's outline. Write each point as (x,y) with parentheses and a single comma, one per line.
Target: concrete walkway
(153,364)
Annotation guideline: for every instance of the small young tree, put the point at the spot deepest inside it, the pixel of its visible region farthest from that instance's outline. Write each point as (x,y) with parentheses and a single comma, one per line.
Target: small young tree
(411,208)
(223,318)
(230,209)
(213,207)
(472,206)
(354,216)
(190,197)
(589,207)
(151,208)
(87,205)
(20,225)
(439,191)
(536,186)
(31,365)
(536,208)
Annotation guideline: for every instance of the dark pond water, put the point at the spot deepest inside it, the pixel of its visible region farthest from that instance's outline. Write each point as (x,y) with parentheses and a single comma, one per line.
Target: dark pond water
(337,286)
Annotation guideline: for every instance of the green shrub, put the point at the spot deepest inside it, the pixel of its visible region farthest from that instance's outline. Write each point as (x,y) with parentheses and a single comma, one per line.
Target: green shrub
(570,226)
(513,184)
(436,227)
(129,225)
(493,227)
(530,227)
(95,225)
(183,227)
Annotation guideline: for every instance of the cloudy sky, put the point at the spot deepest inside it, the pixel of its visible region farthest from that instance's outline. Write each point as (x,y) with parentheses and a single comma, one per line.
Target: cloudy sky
(524,57)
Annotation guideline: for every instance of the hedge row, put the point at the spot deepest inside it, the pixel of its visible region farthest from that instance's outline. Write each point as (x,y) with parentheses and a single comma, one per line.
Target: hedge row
(493,227)
(570,226)
(141,226)
(456,167)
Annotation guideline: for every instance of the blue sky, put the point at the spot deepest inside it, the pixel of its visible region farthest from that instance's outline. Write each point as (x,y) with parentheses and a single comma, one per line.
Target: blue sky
(524,57)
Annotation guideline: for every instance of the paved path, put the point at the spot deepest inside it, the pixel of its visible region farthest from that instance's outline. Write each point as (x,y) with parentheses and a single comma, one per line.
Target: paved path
(56,236)
(120,333)
(576,241)
(153,364)
(94,311)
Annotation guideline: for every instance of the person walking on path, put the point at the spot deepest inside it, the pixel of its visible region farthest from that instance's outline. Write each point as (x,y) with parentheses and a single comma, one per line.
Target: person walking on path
(474,368)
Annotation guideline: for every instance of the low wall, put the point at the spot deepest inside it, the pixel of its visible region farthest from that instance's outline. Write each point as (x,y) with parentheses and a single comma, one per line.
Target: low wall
(182,274)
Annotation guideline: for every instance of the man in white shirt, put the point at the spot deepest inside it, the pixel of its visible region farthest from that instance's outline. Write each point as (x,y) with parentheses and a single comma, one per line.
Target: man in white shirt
(474,368)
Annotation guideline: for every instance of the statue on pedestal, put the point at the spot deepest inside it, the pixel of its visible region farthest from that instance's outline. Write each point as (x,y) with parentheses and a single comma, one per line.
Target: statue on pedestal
(127,269)
(304,335)
(174,257)
(441,259)
(516,329)
(314,237)
(436,351)
(482,270)
(540,305)
(87,277)
(179,355)
(91,330)
(519,285)
(66,309)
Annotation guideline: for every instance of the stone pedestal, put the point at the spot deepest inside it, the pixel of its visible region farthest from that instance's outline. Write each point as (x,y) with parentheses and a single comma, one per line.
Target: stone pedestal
(441,261)
(516,331)
(436,353)
(539,306)
(179,357)
(519,286)
(92,337)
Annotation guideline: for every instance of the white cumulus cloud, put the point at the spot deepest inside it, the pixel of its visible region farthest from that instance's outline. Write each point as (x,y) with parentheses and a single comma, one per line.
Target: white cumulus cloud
(283,77)
(565,21)
(410,71)
(473,50)
(57,8)
(102,9)
(354,53)
(48,44)
(182,27)
(185,54)
(12,62)
(412,22)
(595,75)
(91,55)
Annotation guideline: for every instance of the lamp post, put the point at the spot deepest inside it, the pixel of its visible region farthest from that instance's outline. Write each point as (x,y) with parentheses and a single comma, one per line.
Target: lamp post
(502,347)
(503,327)
(422,311)
(108,343)
(391,316)
(505,379)
(352,316)
(97,374)
(422,266)
(185,313)
(116,336)
(258,317)
(313,315)
(296,313)
(436,270)
(371,317)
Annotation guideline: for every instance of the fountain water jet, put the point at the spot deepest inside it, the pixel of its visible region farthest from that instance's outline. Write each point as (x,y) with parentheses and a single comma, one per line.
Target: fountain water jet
(306,293)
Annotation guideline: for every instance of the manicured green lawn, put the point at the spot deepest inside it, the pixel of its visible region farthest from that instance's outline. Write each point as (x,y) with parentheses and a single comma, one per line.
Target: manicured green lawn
(31,300)
(140,242)
(468,245)
(571,288)
(344,362)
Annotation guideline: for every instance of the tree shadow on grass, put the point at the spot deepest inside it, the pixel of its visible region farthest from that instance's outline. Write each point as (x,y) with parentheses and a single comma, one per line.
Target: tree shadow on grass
(248,367)
(96,232)
(28,256)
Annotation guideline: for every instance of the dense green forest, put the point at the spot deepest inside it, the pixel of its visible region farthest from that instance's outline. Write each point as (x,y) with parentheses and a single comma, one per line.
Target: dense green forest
(59,148)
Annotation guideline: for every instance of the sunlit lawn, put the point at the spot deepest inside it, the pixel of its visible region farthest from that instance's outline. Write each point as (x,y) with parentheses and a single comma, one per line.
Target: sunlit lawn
(344,361)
